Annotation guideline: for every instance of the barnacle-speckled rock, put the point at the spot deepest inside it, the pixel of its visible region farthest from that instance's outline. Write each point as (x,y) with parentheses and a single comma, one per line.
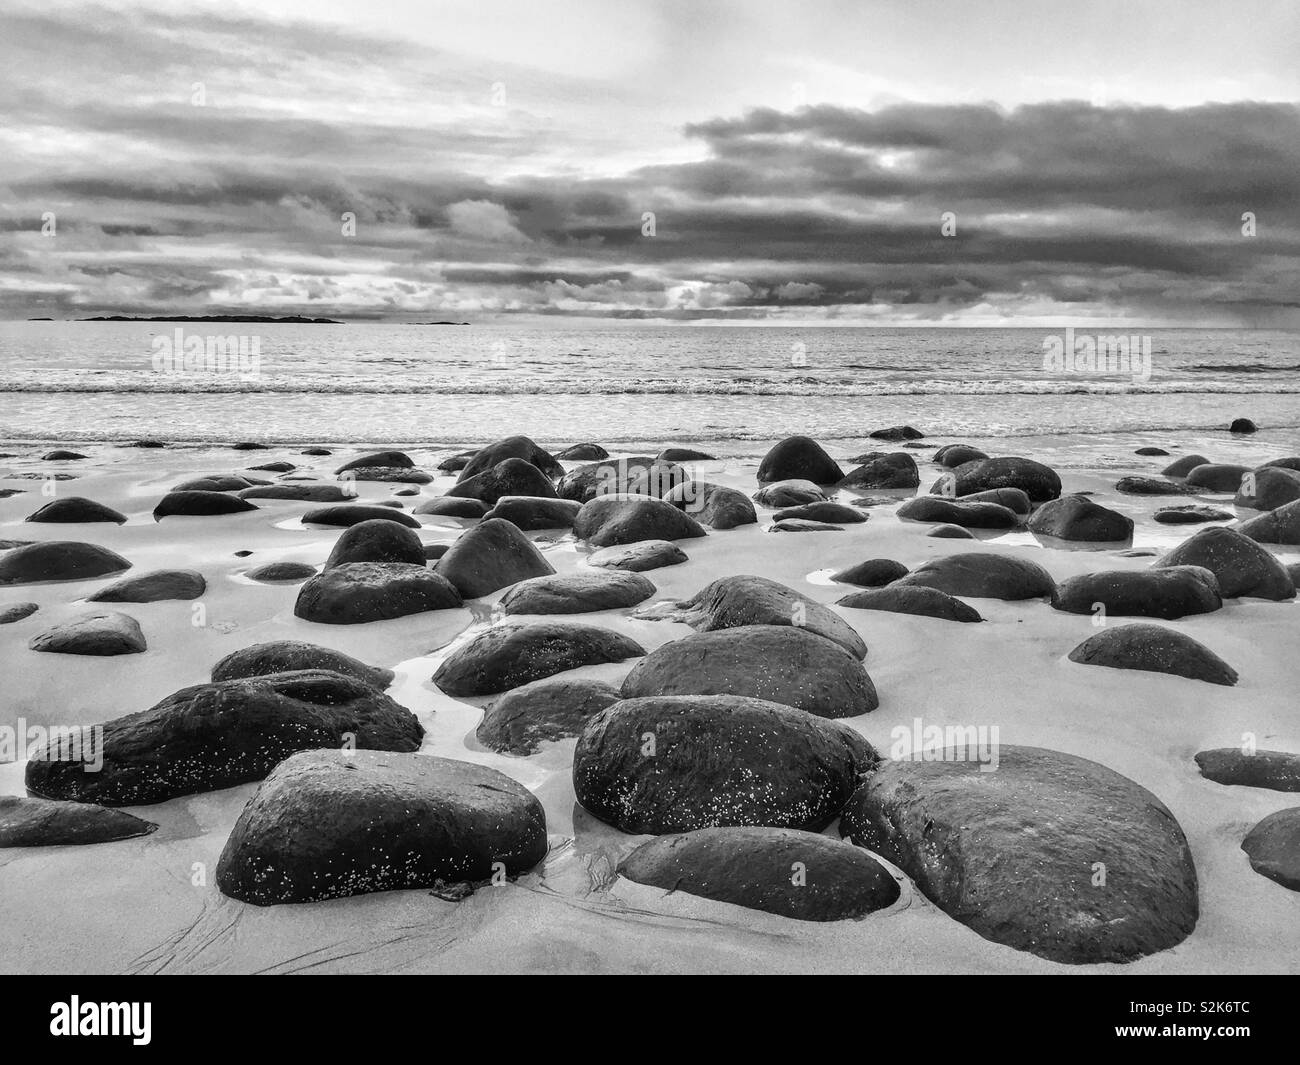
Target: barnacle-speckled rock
(358,592)
(1242,567)
(519,721)
(288,656)
(327,824)
(212,736)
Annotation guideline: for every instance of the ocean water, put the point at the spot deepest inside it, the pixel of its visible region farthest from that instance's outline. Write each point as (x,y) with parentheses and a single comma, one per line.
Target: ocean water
(628,383)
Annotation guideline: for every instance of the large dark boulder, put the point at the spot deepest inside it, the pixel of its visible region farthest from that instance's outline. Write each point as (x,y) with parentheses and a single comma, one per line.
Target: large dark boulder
(1149,486)
(791,493)
(1290,462)
(506,656)
(979,515)
(684,454)
(510,477)
(218,482)
(212,736)
(778,664)
(28,822)
(75,510)
(493,554)
(1154,649)
(348,514)
(512,447)
(897,432)
(874,573)
(376,540)
(1276,770)
(305,493)
(923,602)
(1241,565)
(1077,517)
(200,504)
(731,602)
(803,875)
(1242,425)
(61,455)
(625,519)
(454,507)
(640,475)
(884,470)
(638,557)
(1217,477)
(290,656)
(1183,466)
(678,763)
(1280,526)
(534,512)
(385,459)
(1169,593)
(953,455)
(1265,488)
(59,560)
(1037,481)
(1014,499)
(984,575)
(281,573)
(388,474)
(713,504)
(155,587)
(102,634)
(587,452)
(522,719)
(826,513)
(1191,514)
(395,821)
(577,593)
(358,592)
(1273,847)
(1050,854)
(799,458)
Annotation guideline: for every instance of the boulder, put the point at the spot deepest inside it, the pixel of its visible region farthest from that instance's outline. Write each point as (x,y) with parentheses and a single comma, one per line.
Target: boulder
(1037,481)
(212,736)
(1273,847)
(1276,770)
(1170,593)
(387,459)
(510,477)
(75,510)
(1191,514)
(316,451)
(249,445)
(59,560)
(1154,649)
(950,532)
(752,867)
(1217,477)
(102,634)
(1241,565)
(493,554)
(533,512)
(61,455)
(874,573)
(454,507)
(1014,499)
(305,493)
(506,656)
(731,602)
(897,432)
(1014,854)
(281,572)
(14,612)
(984,575)
(376,540)
(1149,486)
(524,718)
(779,664)
(894,470)
(291,656)
(274,467)
(824,513)
(712,504)
(1280,526)
(387,474)
(954,455)
(395,821)
(638,475)
(1241,425)
(638,557)
(218,483)
(678,763)
(791,493)
(359,592)
(626,519)
(583,453)
(512,447)
(978,515)
(577,593)
(26,822)
(200,504)
(1183,466)
(923,602)
(799,458)
(684,454)
(1290,462)
(1075,517)
(347,514)
(1265,488)
(802,525)
(152,587)
(1151,451)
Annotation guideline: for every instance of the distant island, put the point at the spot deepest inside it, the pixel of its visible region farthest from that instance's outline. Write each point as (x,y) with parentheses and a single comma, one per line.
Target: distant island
(440,323)
(293,319)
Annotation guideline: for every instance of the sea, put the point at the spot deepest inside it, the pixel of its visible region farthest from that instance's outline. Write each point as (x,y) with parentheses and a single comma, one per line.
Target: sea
(726,386)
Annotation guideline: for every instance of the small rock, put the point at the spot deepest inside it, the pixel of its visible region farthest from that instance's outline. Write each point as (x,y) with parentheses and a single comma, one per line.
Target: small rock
(59,560)
(347,514)
(45,823)
(923,602)
(281,572)
(638,557)
(1273,847)
(577,593)
(100,634)
(1277,770)
(1154,649)
(873,573)
(155,587)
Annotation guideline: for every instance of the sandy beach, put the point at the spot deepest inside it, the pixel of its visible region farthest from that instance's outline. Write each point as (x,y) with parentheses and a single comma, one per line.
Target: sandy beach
(151,904)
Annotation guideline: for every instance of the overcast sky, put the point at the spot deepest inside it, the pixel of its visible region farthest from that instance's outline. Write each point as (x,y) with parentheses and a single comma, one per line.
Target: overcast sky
(798,158)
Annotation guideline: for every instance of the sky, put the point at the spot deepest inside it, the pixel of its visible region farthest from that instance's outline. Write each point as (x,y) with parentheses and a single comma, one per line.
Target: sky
(892,163)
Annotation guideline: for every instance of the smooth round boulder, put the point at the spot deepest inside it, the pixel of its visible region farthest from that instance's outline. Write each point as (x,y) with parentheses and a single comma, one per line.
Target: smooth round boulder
(1242,425)
(1280,526)
(968,515)
(1217,477)
(950,532)
(512,447)
(883,470)
(217,483)
(383,459)
(1242,567)
(533,512)
(376,540)
(778,664)
(14,612)
(152,587)
(1151,451)
(873,573)
(317,451)
(510,477)
(1154,649)
(454,507)
(349,514)
(684,454)
(76,510)
(507,656)
(638,557)
(359,592)
(920,601)
(799,458)
(522,719)
(1014,854)
(789,493)
(493,554)
(587,452)
(712,504)
(387,475)
(200,505)
(59,560)
(1014,499)
(27,822)
(640,475)
(1149,486)
(291,656)
(103,635)
(984,575)
(626,519)
(1266,488)
(274,467)
(62,455)
(281,573)
(1036,480)
(1275,770)
(1183,466)
(1273,847)
(395,821)
(802,875)
(678,763)
(305,493)
(897,432)
(1172,593)
(825,513)
(577,593)
(1077,518)
(954,455)
(1191,514)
